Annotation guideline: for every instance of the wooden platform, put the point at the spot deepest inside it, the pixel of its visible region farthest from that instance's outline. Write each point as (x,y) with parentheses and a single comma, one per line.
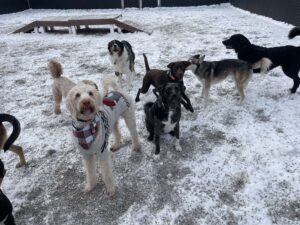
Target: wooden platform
(74,23)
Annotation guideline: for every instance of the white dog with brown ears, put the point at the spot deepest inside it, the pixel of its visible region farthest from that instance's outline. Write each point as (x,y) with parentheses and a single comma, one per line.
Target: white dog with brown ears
(94,118)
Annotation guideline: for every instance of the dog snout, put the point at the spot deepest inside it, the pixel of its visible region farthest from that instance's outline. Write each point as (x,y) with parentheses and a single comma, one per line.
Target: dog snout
(86,103)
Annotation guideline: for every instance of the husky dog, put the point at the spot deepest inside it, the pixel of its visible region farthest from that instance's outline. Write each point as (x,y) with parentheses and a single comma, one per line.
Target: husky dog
(163,115)
(214,72)
(122,59)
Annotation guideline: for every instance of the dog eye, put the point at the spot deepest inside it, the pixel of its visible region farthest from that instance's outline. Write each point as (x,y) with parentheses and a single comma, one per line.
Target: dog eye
(77,95)
(91,93)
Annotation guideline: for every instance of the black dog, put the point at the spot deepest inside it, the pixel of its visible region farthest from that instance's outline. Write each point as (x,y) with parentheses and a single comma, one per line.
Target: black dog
(6,208)
(285,56)
(164,114)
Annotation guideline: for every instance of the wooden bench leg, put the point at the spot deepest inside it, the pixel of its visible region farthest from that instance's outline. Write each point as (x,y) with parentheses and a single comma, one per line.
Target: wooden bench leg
(36,30)
(112,29)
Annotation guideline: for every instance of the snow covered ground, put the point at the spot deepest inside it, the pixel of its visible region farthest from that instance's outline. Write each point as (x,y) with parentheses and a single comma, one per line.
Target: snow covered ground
(240,164)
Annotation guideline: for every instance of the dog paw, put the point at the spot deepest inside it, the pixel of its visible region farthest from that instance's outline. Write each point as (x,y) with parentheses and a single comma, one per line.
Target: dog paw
(136,147)
(89,187)
(156,157)
(137,100)
(57,111)
(191,109)
(114,147)
(111,190)
(19,164)
(150,138)
(178,148)
(293,91)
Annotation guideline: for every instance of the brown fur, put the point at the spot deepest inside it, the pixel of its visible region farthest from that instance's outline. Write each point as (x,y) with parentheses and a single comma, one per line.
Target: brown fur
(14,148)
(157,77)
(61,85)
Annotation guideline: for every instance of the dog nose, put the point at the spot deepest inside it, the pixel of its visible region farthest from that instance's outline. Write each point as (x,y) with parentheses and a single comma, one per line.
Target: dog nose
(115,45)
(86,103)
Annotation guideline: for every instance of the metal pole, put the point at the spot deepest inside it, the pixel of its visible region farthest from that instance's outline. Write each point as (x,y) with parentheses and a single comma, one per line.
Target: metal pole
(122,4)
(159,3)
(141,4)
(28,3)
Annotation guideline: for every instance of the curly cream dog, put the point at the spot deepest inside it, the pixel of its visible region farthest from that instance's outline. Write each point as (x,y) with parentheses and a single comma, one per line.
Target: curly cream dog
(61,85)
(93,122)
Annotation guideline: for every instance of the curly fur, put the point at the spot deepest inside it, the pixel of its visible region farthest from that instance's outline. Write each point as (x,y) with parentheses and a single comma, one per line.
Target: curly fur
(61,85)
(83,102)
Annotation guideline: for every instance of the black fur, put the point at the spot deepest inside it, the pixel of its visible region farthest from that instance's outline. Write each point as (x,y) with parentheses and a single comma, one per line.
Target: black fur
(158,112)
(5,205)
(288,57)
(16,129)
(294,32)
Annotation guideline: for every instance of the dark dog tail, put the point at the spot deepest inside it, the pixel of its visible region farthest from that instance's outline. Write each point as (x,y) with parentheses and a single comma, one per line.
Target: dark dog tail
(294,32)
(16,129)
(148,106)
(146,62)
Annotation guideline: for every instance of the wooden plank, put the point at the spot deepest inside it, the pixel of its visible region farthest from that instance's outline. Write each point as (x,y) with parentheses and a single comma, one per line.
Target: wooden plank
(26,28)
(65,21)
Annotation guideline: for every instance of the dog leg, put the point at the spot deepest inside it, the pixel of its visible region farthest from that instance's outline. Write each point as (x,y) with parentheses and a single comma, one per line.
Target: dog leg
(177,144)
(296,85)
(137,98)
(188,105)
(107,173)
(129,117)
(240,89)
(57,100)
(90,169)
(117,136)
(157,128)
(19,151)
(206,92)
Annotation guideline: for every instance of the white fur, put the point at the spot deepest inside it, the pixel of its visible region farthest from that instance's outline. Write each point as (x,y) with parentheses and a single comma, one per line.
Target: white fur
(121,64)
(90,162)
(168,125)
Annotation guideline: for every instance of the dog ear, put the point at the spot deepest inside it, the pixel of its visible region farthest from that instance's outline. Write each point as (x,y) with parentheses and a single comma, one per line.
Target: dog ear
(197,56)
(170,65)
(70,105)
(186,63)
(201,59)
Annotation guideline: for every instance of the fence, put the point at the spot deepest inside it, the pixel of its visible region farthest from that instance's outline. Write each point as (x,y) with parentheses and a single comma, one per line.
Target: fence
(283,10)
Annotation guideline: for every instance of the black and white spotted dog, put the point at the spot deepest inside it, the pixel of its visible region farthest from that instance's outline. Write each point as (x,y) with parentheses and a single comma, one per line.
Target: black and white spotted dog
(122,59)
(163,115)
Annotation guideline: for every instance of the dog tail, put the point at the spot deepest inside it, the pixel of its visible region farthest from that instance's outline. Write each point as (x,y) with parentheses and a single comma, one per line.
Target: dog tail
(148,106)
(264,64)
(294,32)
(110,81)
(146,62)
(16,129)
(55,68)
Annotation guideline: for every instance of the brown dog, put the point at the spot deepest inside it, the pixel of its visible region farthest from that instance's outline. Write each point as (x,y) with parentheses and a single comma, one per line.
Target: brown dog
(7,143)
(160,77)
